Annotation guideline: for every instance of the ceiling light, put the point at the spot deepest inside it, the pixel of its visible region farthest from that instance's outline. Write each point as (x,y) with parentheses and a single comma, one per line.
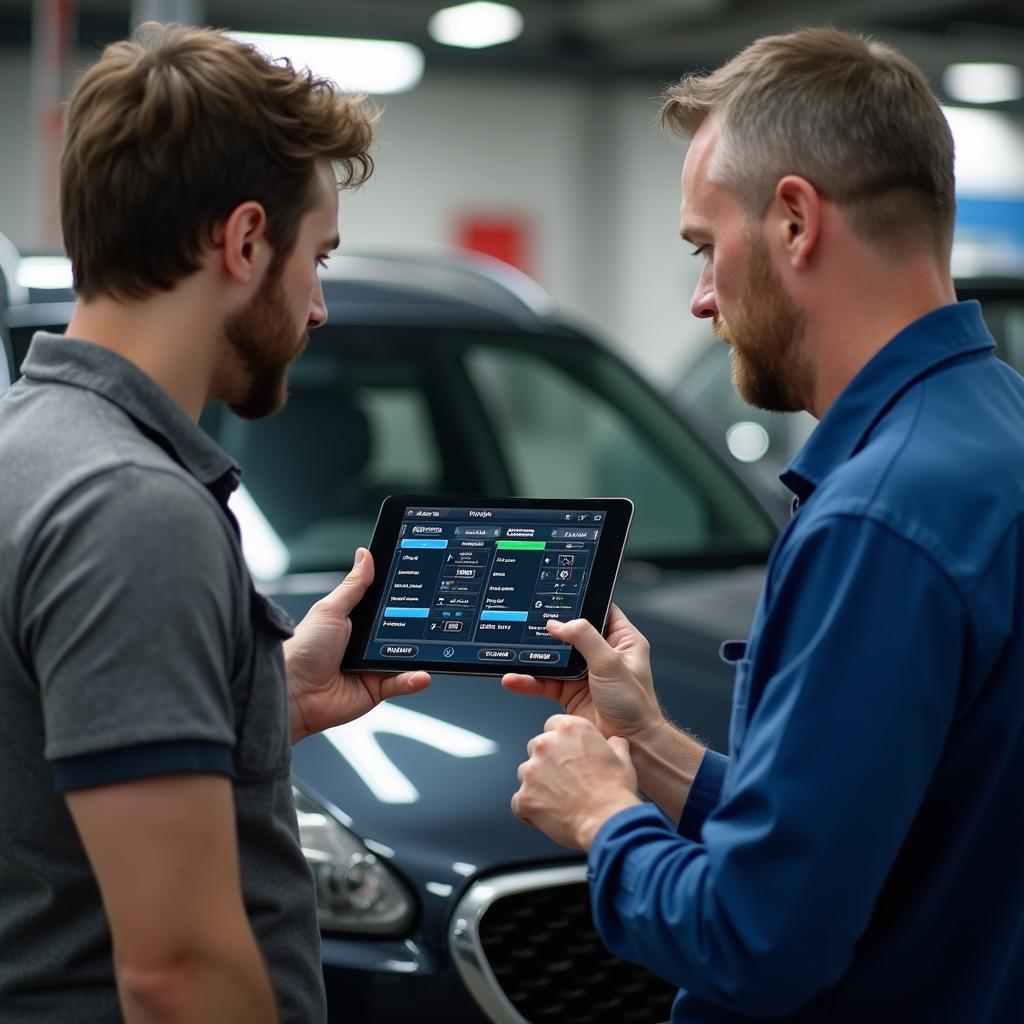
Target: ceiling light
(476,25)
(376,66)
(983,83)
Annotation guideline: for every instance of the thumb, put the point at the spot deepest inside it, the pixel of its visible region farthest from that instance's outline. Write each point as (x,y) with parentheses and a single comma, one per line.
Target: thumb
(600,656)
(621,748)
(350,591)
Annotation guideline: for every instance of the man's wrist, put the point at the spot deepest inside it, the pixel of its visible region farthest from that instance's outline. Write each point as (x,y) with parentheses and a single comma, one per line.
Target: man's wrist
(666,760)
(591,823)
(296,720)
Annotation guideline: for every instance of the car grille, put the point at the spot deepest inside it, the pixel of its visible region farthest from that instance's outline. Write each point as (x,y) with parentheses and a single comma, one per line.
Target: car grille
(537,956)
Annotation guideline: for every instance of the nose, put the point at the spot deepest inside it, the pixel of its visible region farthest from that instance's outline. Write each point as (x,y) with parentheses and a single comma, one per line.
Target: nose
(318,310)
(703,304)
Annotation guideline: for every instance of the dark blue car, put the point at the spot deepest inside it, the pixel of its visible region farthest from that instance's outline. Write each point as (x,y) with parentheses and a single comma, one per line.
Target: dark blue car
(455,377)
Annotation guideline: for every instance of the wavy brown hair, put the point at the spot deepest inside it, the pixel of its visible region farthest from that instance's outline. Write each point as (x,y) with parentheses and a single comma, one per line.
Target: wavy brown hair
(170,131)
(852,115)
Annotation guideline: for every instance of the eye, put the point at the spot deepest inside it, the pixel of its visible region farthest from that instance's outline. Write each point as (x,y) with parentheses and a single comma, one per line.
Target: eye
(321,262)
(700,250)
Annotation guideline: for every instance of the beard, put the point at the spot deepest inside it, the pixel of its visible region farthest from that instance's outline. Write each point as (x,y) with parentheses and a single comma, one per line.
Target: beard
(768,369)
(262,341)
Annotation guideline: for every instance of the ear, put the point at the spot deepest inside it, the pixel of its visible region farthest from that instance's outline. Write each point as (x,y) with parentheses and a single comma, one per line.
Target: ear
(242,238)
(797,211)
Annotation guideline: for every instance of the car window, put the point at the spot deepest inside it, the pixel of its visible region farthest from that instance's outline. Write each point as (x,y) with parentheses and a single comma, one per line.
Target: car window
(751,434)
(457,412)
(578,423)
(359,424)
(21,338)
(1013,336)
(1005,319)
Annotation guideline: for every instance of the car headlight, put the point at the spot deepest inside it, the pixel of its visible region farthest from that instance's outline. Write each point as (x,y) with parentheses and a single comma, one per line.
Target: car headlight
(355,890)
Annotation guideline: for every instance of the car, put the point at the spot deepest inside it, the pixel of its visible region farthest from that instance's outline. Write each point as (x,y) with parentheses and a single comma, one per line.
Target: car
(438,375)
(8,272)
(766,441)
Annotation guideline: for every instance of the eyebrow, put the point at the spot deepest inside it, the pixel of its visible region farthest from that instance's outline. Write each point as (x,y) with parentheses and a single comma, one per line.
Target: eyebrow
(331,244)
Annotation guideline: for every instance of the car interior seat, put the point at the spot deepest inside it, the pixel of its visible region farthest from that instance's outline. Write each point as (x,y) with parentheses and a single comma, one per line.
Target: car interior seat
(306,464)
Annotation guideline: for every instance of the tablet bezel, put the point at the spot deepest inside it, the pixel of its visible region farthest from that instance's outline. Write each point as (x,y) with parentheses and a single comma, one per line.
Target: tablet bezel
(596,599)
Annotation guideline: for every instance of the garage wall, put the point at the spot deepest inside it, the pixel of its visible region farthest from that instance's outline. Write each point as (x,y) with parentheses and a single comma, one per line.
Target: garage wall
(594,181)
(585,168)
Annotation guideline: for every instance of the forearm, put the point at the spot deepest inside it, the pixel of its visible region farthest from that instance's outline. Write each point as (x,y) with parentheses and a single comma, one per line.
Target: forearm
(204,987)
(666,760)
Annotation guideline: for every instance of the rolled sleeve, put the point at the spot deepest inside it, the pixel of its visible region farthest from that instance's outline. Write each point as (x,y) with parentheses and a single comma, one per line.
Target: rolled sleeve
(704,795)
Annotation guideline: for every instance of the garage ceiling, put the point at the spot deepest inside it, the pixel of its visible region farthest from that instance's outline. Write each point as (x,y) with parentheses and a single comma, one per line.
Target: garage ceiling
(603,38)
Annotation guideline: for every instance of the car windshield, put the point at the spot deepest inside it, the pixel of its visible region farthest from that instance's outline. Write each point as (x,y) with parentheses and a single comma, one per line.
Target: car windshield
(383,411)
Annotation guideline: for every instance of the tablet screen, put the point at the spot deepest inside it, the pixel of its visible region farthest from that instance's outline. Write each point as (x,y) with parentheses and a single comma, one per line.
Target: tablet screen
(473,587)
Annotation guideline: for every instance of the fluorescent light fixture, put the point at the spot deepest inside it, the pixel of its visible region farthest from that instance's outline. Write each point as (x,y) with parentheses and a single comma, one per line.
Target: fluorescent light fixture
(377,66)
(983,83)
(45,272)
(476,25)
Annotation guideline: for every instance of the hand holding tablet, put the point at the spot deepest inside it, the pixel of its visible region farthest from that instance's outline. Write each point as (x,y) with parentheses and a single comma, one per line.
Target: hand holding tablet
(467,585)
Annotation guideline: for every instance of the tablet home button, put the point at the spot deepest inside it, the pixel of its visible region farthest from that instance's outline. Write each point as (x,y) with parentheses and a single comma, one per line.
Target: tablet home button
(399,651)
(496,654)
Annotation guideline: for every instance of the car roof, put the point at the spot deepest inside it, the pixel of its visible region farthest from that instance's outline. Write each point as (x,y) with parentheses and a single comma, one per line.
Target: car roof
(990,287)
(452,288)
(464,289)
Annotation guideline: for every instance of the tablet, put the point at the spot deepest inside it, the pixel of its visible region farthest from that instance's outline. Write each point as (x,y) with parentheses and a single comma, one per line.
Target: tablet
(467,585)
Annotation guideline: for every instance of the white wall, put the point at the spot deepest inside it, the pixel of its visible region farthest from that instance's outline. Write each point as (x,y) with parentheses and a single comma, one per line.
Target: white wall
(586,166)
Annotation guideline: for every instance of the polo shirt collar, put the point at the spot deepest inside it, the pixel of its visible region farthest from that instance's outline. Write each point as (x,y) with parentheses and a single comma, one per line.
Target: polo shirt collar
(938,337)
(53,357)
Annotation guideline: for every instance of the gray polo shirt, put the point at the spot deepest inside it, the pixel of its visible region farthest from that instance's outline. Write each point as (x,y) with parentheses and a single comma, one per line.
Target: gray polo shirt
(132,643)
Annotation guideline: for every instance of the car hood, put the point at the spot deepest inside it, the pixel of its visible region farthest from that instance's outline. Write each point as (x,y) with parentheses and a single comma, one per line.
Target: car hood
(426,780)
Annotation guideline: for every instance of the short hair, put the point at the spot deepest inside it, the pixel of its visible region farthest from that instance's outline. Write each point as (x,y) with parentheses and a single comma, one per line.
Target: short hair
(851,115)
(171,130)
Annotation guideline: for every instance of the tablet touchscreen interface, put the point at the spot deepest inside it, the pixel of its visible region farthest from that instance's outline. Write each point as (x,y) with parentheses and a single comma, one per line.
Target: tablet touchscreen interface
(472,587)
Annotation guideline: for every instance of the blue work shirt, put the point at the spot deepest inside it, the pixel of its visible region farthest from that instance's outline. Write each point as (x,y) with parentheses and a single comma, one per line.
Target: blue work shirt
(860,854)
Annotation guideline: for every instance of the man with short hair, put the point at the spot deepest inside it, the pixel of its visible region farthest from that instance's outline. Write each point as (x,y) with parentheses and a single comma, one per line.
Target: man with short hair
(150,865)
(857,857)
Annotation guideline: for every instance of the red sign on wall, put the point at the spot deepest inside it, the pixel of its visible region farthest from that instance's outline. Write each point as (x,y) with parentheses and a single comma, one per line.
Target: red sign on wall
(499,235)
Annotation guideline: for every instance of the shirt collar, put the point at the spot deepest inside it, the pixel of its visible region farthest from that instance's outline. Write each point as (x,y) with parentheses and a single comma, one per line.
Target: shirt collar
(53,357)
(939,336)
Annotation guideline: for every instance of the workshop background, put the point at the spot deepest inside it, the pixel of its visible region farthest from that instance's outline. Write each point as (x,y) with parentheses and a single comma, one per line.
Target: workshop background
(542,149)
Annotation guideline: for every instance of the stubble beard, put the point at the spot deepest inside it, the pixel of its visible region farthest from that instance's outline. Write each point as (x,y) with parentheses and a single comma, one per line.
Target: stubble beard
(262,340)
(768,367)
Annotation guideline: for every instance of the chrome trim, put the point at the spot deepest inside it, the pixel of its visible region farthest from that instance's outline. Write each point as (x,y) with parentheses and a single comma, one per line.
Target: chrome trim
(464,933)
